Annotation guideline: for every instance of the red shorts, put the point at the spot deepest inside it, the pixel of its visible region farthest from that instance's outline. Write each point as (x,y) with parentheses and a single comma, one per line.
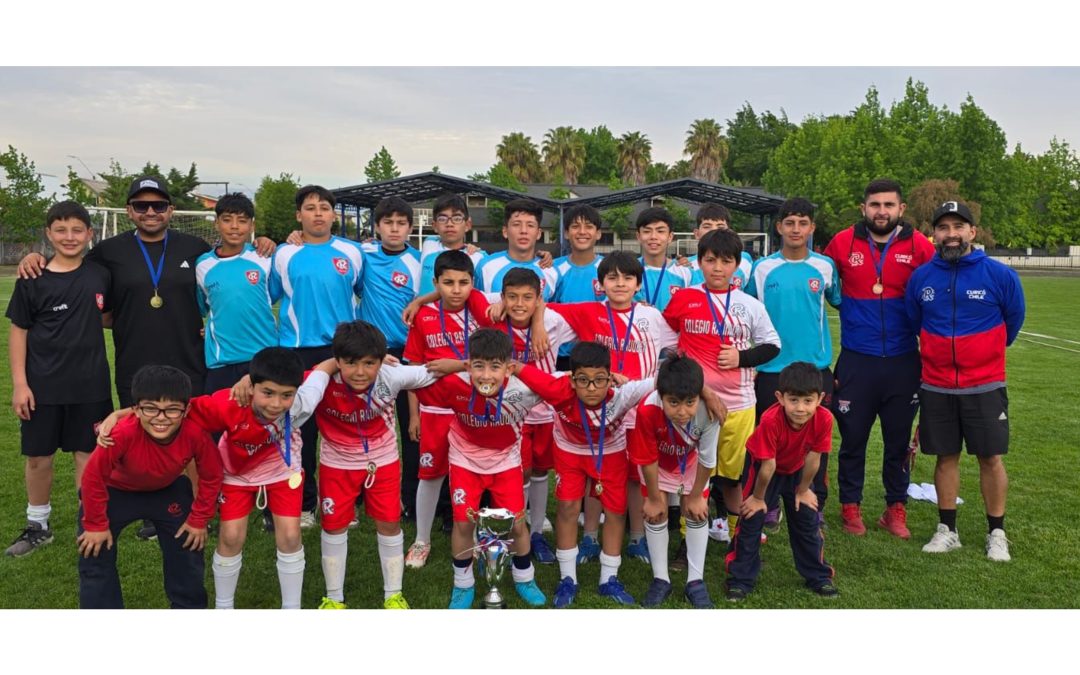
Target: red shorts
(669,482)
(537,445)
(434,445)
(237,500)
(339,489)
(571,470)
(466,487)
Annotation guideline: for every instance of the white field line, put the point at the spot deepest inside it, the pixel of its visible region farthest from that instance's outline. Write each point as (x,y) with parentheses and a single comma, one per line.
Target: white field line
(1049,337)
(1047,344)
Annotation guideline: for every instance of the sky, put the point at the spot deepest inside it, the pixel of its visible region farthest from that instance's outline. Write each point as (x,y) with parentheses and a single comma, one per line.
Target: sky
(323,124)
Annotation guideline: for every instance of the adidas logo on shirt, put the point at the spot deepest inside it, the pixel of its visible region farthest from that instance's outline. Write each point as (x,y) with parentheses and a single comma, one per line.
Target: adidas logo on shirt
(184,265)
(1002,417)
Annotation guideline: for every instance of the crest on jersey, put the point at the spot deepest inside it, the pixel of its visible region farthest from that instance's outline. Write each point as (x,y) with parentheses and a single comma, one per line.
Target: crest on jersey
(597,289)
(427,460)
(673,289)
(513,397)
(328,506)
(382,390)
(928,294)
(855,259)
(845,406)
(341,265)
(736,282)
(100,300)
(252,277)
(738,310)
(642,325)
(459,496)
(399,279)
(815,285)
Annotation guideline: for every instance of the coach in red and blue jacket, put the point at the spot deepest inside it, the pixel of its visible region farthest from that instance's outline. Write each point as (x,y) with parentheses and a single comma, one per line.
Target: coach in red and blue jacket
(968,308)
(877,372)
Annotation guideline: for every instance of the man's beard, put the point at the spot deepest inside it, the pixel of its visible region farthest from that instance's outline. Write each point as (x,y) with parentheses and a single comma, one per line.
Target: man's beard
(881,230)
(953,253)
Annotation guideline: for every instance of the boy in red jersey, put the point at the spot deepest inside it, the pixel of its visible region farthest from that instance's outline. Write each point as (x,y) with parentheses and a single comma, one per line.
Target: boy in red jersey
(142,476)
(673,444)
(786,449)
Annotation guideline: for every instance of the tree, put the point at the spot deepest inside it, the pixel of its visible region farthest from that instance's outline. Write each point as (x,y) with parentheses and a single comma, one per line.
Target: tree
(601,156)
(656,173)
(500,176)
(564,151)
(926,197)
(708,150)
(22,208)
(381,167)
(518,153)
(275,206)
(179,184)
(75,189)
(635,155)
(752,138)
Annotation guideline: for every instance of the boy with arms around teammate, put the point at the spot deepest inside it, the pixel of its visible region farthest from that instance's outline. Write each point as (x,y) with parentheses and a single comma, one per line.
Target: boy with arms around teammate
(59,371)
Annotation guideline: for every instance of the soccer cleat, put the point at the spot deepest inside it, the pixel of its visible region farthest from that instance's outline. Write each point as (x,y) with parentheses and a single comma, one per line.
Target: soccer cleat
(851,515)
(307,520)
(735,594)
(541,551)
(33,537)
(773,517)
(614,589)
(894,520)
(327,603)
(547,528)
(565,593)
(530,593)
(658,592)
(943,541)
(395,601)
(827,590)
(639,550)
(697,595)
(588,550)
(417,555)
(997,546)
(718,530)
(679,562)
(462,598)
(147,532)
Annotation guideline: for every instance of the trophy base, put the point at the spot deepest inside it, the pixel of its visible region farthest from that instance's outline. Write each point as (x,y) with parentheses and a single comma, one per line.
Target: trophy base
(501,605)
(493,600)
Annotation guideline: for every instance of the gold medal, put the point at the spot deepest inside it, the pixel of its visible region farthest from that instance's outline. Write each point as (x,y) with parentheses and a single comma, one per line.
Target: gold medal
(680,491)
(371,468)
(295,480)
(599,489)
(156,302)
(878,288)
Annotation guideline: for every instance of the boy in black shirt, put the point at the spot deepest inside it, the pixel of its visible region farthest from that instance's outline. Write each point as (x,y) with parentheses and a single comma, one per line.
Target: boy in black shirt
(58,364)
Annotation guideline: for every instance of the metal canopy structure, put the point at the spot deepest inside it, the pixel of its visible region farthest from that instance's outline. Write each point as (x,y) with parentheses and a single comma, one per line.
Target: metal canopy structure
(423,186)
(691,190)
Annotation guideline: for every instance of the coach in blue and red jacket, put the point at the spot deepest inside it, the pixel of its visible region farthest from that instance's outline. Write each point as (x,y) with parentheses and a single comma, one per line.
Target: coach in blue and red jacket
(968,308)
(877,372)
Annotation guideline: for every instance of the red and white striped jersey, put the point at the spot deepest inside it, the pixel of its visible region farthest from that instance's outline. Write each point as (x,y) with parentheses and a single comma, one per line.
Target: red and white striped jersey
(636,356)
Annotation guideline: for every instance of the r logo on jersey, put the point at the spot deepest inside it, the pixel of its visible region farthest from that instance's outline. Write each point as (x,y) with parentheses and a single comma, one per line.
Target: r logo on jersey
(328,506)
(597,289)
(341,265)
(427,460)
(815,285)
(459,496)
(100,300)
(845,406)
(855,259)
(252,277)
(673,289)
(736,282)
(399,279)
(928,294)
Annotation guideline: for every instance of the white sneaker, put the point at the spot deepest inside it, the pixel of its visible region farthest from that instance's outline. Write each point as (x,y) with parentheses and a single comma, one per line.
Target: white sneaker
(547,529)
(307,520)
(718,530)
(944,540)
(997,546)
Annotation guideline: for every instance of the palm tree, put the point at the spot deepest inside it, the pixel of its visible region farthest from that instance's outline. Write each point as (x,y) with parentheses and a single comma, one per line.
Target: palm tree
(708,150)
(635,155)
(519,154)
(564,150)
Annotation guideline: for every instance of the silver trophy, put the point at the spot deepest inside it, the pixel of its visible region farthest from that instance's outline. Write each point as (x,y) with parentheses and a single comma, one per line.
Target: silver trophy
(493,548)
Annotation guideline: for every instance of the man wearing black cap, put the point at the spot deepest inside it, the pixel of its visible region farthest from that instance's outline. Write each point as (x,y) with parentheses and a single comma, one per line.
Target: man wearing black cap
(968,308)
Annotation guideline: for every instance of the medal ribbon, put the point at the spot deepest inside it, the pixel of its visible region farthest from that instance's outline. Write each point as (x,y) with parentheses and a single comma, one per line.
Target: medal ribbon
(286,452)
(487,415)
(446,336)
(528,338)
(595,451)
(683,457)
(155,275)
(712,310)
(620,352)
(651,298)
(370,480)
(879,261)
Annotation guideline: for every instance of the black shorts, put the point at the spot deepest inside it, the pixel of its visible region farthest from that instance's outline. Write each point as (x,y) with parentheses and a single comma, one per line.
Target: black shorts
(71,427)
(224,377)
(980,421)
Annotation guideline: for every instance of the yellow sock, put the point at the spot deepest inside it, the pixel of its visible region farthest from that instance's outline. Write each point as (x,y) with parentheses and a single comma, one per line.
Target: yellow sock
(682,526)
(732,521)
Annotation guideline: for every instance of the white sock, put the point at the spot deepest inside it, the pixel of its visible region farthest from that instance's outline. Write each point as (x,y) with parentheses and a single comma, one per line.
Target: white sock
(226,574)
(335,549)
(392,561)
(463,577)
(290,576)
(697,540)
(567,558)
(39,514)
(427,500)
(538,495)
(656,536)
(609,566)
(522,576)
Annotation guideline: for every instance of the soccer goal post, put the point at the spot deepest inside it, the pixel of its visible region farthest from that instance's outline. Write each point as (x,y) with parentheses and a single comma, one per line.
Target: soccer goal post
(754,243)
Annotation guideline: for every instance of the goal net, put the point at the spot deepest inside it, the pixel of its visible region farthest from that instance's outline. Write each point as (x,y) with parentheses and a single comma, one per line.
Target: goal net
(754,243)
(109,222)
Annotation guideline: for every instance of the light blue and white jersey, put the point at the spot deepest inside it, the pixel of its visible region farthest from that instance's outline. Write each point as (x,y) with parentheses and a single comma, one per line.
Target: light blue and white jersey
(490,273)
(390,281)
(659,284)
(742,272)
(234,296)
(318,285)
(794,293)
(430,249)
(577,283)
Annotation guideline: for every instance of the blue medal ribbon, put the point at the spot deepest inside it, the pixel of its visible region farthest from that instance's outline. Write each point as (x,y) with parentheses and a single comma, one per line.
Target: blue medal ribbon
(155,274)
(716,319)
(651,298)
(879,261)
(446,336)
(528,339)
(487,415)
(620,352)
(683,457)
(356,411)
(286,452)
(595,451)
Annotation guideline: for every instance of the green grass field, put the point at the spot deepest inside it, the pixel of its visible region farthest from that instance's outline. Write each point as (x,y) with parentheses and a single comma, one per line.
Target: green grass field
(877,571)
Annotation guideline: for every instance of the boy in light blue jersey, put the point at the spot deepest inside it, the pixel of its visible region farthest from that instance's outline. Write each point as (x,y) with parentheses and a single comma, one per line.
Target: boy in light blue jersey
(577,272)
(794,284)
(318,282)
(451,222)
(233,291)
(521,228)
(713,216)
(663,276)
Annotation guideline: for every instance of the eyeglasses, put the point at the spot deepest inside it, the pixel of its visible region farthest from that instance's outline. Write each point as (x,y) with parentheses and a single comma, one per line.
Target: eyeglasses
(152,411)
(582,382)
(456,219)
(143,207)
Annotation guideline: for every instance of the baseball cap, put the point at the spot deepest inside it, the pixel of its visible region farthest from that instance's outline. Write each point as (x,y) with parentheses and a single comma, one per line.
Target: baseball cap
(151,183)
(958,209)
